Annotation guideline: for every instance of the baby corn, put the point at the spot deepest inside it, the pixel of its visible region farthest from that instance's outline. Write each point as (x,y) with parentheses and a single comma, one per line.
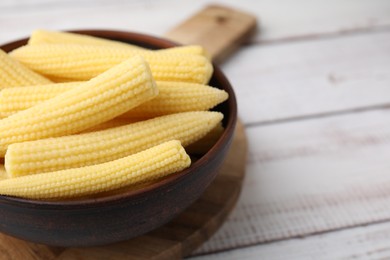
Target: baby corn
(188,49)
(3,173)
(145,166)
(21,98)
(13,74)
(111,124)
(108,95)
(97,147)
(82,62)
(204,144)
(52,37)
(174,97)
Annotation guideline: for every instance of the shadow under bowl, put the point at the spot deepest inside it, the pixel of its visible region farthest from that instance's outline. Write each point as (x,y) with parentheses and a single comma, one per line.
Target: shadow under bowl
(105,220)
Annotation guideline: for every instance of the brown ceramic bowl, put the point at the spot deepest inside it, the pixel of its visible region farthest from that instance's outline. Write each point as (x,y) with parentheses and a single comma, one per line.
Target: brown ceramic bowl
(110,219)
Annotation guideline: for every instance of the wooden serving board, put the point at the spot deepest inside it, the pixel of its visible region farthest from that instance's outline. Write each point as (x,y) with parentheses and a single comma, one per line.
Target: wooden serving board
(220,30)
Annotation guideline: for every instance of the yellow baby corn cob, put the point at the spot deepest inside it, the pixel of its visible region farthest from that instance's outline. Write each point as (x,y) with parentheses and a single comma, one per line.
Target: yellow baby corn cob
(98,100)
(174,97)
(204,144)
(13,74)
(61,80)
(111,124)
(97,147)
(21,98)
(188,49)
(3,173)
(53,37)
(147,165)
(82,62)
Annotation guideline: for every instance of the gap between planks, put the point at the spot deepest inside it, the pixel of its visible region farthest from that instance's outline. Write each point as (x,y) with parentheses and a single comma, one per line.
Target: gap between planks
(365,242)
(385,106)
(309,235)
(310,78)
(321,36)
(296,188)
(280,22)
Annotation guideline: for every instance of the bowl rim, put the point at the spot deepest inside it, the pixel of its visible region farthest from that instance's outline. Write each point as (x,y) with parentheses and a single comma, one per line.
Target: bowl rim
(171,180)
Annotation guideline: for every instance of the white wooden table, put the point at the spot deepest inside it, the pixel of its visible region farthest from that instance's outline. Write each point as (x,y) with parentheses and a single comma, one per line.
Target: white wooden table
(313,90)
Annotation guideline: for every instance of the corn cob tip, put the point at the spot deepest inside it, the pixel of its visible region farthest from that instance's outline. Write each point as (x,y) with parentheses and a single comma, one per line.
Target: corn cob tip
(215,117)
(33,35)
(180,150)
(204,144)
(209,69)
(148,74)
(223,96)
(3,173)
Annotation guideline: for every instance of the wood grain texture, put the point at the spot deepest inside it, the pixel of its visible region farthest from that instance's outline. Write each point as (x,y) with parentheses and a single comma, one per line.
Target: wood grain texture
(307,79)
(315,58)
(13,248)
(311,177)
(361,243)
(282,21)
(172,241)
(286,81)
(219,29)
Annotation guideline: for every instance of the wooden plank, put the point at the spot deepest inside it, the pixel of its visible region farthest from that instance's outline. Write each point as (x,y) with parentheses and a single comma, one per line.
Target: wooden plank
(310,177)
(278,82)
(283,21)
(13,248)
(144,247)
(366,242)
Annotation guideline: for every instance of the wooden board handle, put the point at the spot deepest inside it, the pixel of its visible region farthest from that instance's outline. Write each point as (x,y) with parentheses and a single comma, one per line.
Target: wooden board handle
(219,29)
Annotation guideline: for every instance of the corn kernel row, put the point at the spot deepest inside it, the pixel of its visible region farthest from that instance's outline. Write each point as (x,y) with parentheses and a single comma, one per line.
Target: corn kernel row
(51,37)
(83,62)
(144,166)
(108,95)
(13,74)
(73,151)
(173,97)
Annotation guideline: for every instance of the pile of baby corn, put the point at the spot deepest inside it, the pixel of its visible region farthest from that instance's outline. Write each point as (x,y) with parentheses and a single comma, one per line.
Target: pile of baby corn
(83,116)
